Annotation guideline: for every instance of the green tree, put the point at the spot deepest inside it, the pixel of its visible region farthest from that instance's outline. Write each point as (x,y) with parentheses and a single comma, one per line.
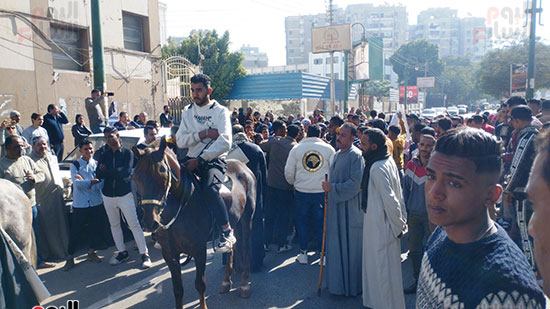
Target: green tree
(378,88)
(494,69)
(223,66)
(416,59)
(457,81)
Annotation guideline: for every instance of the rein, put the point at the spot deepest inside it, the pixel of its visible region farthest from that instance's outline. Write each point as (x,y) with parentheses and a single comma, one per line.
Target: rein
(161,203)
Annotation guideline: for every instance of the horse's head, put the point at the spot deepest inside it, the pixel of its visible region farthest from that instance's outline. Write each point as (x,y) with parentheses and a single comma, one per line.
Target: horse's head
(152,178)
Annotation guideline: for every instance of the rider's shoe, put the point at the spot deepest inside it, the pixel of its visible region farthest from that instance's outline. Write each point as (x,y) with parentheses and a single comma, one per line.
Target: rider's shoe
(227,240)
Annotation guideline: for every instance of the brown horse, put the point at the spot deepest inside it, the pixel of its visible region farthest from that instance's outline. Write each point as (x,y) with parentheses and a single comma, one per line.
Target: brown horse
(173,207)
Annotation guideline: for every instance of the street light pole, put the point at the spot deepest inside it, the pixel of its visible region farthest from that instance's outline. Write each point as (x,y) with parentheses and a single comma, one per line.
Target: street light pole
(346,69)
(533,10)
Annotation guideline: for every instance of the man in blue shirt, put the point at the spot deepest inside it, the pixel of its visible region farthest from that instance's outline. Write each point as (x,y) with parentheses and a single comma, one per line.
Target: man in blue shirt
(53,123)
(87,201)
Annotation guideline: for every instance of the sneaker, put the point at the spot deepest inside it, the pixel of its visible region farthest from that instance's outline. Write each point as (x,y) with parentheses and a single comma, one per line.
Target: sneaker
(92,257)
(284,248)
(146,261)
(119,258)
(226,242)
(302,257)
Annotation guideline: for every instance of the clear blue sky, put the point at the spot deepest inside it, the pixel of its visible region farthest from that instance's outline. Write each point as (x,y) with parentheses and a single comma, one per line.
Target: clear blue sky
(260,23)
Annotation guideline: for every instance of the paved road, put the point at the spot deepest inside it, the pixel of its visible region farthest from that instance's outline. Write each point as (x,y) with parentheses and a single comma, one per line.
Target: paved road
(282,284)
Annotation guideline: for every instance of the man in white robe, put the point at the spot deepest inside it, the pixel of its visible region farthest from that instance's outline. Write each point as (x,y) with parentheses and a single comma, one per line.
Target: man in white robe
(384,224)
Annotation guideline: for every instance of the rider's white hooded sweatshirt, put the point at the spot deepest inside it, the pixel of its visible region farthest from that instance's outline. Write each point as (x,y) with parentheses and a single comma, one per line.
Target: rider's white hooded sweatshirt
(195,119)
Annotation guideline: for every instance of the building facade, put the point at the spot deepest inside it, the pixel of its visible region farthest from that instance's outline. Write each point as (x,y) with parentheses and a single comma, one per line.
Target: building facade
(47,56)
(455,36)
(253,58)
(387,22)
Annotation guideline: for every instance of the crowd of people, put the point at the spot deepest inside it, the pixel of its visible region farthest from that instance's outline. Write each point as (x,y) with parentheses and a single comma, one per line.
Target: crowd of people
(462,192)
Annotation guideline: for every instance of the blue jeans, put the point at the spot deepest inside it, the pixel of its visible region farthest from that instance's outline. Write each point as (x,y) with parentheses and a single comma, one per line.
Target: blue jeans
(35,229)
(309,206)
(97,129)
(277,215)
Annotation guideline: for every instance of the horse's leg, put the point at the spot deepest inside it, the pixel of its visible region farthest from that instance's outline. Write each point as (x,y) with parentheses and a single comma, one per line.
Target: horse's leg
(227,283)
(243,254)
(200,276)
(173,262)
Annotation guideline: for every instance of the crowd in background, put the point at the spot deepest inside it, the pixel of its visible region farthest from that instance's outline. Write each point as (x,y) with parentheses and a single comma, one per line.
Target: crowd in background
(369,159)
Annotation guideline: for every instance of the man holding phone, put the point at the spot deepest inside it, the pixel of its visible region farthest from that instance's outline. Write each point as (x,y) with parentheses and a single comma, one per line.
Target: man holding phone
(96,107)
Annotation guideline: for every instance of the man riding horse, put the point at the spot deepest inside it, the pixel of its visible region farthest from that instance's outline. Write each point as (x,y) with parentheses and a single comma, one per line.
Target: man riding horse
(205,129)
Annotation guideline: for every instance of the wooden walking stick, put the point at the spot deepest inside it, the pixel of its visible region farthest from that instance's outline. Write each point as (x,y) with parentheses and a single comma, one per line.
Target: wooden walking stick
(323,243)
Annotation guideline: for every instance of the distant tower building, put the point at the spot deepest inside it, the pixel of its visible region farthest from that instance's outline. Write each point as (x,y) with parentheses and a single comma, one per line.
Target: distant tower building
(455,36)
(253,58)
(441,27)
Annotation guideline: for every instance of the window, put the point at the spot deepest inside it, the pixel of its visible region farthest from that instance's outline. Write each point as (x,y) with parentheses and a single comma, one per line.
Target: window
(317,61)
(335,59)
(74,42)
(336,75)
(134,30)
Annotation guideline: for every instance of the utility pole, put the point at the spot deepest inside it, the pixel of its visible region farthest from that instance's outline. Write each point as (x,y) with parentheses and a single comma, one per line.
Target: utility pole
(533,10)
(332,84)
(97,47)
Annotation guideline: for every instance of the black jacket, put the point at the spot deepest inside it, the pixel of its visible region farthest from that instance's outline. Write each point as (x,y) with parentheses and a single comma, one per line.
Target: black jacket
(524,155)
(54,126)
(117,171)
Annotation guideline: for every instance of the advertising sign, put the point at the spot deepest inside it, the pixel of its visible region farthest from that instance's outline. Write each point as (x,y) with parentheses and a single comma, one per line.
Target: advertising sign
(412,94)
(518,78)
(425,82)
(331,38)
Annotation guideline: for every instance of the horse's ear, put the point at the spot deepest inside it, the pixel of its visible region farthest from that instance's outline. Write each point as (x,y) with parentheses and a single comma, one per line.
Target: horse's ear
(162,146)
(138,153)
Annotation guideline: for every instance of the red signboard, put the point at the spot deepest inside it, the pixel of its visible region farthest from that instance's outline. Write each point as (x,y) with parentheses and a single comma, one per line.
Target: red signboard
(412,94)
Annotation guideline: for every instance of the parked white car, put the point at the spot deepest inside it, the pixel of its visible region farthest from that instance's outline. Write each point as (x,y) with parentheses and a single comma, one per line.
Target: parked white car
(428,113)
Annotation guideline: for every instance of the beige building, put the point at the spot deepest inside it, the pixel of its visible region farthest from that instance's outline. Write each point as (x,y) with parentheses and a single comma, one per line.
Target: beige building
(46,56)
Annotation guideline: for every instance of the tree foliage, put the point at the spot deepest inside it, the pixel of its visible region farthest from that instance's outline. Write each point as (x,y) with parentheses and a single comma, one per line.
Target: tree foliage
(458,81)
(494,69)
(223,66)
(378,88)
(416,59)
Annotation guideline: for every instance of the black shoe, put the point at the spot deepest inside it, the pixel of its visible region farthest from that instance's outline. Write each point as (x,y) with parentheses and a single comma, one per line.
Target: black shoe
(119,258)
(411,289)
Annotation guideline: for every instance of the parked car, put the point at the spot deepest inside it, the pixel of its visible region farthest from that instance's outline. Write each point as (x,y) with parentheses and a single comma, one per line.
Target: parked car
(440,111)
(452,110)
(428,113)
(128,138)
(462,110)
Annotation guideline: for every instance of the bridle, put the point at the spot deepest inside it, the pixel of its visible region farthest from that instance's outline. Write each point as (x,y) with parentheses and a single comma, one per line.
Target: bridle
(162,202)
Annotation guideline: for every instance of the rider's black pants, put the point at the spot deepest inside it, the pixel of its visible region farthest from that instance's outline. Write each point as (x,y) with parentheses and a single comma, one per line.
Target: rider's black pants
(212,175)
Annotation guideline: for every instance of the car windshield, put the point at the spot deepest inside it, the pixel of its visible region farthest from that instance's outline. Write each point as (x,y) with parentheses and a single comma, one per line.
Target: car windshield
(128,139)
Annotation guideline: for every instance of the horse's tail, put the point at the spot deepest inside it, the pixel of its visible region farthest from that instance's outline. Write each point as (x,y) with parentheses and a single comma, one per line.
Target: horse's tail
(32,250)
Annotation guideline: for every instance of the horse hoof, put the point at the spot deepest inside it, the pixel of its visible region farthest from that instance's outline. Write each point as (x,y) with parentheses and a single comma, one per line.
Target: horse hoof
(226,287)
(245,291)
